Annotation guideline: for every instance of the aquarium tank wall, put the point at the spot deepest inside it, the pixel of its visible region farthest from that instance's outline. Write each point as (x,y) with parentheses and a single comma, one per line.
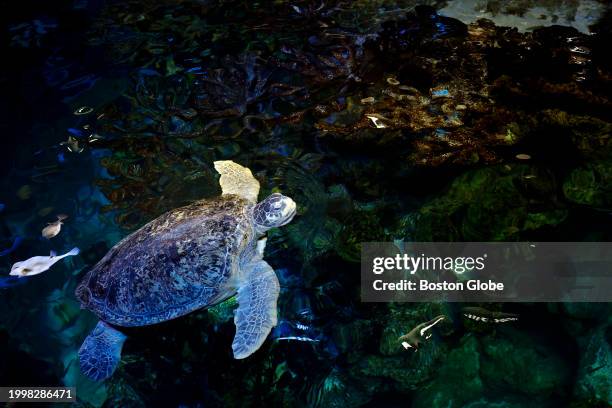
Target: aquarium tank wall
(223,203)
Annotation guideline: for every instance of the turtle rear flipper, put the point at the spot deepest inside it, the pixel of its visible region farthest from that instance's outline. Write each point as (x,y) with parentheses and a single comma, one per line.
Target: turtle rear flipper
(256,313)
(101,351)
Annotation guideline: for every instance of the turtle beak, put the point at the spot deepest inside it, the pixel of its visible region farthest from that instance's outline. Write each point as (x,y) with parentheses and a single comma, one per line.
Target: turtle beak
(289,211)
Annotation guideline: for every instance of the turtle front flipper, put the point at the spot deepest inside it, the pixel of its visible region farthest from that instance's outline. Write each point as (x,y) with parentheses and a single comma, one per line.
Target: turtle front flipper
(256,313)
(236,179)
(101,351)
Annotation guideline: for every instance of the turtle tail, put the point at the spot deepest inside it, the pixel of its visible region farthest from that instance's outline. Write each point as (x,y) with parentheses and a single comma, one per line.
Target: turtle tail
(101,351)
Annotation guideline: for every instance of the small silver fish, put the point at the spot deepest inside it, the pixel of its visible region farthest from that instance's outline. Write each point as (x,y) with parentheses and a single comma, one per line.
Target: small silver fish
(54,228)
(39,264)
(377,121)
(83,110)
(72,144)
(298,338)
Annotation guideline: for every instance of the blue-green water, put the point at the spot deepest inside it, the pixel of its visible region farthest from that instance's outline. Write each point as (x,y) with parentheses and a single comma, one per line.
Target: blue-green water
(382,122)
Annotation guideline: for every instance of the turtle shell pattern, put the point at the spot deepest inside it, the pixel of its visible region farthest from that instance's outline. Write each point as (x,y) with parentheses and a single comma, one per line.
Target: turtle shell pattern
(180,262)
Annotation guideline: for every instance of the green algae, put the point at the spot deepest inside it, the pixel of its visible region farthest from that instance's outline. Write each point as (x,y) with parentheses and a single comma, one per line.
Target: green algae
(590,185)
(491,204)
(457,381)
(516,356)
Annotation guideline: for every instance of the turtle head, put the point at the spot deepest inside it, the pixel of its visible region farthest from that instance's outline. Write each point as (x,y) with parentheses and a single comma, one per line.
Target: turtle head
(275,211)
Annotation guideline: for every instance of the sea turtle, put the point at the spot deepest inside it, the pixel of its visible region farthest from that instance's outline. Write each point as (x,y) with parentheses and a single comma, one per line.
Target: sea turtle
(187,259)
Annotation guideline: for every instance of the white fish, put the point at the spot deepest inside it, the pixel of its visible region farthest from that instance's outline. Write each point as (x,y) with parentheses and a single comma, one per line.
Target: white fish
(39,264)
(54,228)
(419,334)
(298,338)
(72,144)
(376,120)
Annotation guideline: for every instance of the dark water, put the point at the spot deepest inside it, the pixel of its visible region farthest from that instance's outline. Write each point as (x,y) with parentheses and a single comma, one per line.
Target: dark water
(382,121)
